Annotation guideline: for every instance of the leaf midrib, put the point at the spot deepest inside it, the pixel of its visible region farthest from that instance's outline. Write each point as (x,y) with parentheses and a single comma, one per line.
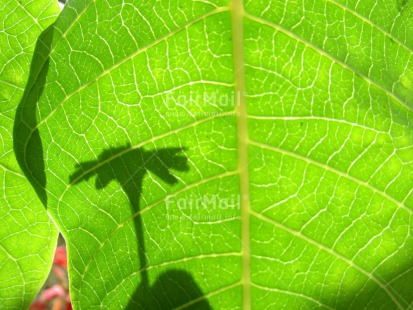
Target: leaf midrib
(237,16)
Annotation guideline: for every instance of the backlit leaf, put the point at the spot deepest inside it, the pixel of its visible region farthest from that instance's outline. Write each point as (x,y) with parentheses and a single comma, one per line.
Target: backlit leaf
(27,234)
(226,154)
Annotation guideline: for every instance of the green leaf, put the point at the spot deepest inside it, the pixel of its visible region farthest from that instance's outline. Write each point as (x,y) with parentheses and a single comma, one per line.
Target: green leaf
(222,155)
(27,234)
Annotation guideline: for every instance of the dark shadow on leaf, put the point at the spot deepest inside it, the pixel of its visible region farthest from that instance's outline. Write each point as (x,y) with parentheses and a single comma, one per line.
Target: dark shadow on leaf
(128,166)
(173,289)
(26,138)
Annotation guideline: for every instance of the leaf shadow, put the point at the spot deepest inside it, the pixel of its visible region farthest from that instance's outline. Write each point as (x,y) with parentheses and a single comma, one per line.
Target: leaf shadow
(128,166)
(27,142)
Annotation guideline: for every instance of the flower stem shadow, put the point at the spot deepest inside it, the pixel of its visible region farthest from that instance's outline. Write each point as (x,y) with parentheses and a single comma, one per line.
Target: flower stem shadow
(128,166)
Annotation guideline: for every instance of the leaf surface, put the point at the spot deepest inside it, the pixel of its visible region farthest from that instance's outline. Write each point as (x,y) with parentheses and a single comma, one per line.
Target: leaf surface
(27,234)
(227,155)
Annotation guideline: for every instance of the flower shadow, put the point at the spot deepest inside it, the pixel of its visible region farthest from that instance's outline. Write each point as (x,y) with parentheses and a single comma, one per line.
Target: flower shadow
(128,166)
